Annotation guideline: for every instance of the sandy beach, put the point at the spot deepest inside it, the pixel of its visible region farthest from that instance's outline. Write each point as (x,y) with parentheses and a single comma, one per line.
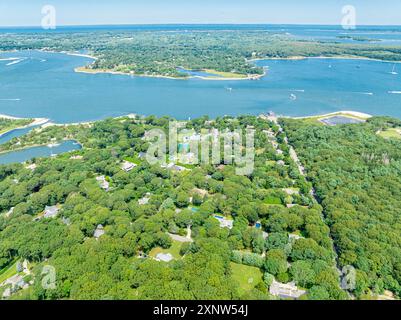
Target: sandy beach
(352,114)
(34,123)
(325,57)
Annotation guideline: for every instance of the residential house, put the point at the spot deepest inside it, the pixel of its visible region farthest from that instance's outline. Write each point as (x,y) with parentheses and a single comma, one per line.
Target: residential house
(128,166)
(99,231)
(286,290)
(104,184)
(224,223)
(164,257)
(51,211)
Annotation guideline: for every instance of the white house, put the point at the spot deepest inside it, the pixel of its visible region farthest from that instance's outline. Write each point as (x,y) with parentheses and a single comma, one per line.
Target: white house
(128,166)
(51,212)
(164,257)
(104,184)
(286,290)
(144,200)
(99,231)
(9,213)
(31,166)
(224,223)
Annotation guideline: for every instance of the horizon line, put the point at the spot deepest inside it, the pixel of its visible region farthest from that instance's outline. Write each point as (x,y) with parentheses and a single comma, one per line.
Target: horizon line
(196,24)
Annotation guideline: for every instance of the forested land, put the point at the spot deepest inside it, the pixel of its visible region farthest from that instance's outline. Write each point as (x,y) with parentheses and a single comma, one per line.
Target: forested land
(159,53)
(120,264)
(357,177)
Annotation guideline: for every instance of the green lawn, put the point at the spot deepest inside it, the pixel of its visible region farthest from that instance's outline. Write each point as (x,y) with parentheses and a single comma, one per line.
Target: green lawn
(247,277)
(134,160)
(225,74)
(273,200)
(391,134)
(174,250)
(8,272)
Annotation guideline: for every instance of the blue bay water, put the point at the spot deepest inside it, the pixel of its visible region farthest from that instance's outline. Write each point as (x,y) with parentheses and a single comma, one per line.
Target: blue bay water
(45,85)
(38,152)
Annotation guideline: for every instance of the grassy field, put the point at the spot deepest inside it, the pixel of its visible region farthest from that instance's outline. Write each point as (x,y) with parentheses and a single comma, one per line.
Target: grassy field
(134,160)
(273,200)
(247,277)
(391,134)
(226,74)
(174,250)
(8,272)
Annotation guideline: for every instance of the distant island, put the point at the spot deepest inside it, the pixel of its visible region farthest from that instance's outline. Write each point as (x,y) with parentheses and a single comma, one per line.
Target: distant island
(226,54)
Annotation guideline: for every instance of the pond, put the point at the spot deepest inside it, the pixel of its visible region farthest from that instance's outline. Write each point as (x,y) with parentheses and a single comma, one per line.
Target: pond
(38,152)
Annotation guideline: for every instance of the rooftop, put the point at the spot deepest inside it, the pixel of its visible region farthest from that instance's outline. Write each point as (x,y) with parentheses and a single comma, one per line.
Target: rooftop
(165,257)
(128,166)
(51,212)
(99,231)
(286,290)
(224,223)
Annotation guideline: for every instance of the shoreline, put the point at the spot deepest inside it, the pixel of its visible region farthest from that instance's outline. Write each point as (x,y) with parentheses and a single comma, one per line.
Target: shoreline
(85,70)
(345,113)
(120,73)
(2,152)
(298,58)
(35,122)
(102,71)
(44,123)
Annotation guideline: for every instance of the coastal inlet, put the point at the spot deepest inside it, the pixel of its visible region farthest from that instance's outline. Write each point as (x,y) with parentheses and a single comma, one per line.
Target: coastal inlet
(290,87)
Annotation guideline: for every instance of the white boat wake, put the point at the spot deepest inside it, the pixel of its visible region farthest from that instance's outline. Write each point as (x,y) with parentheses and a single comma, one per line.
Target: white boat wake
(9,59)
(394,92)
(15,61)
(10,99)
(365,93)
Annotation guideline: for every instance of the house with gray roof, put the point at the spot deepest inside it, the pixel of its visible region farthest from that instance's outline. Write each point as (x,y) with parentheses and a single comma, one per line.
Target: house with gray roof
(99,231)
(224,223)
(51,211)
(165,257)
(286,290)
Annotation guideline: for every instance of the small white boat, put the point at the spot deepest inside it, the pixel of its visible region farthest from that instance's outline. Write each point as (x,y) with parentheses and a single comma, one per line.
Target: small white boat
(366,93)
(52,145)
(394,72)
(293,97)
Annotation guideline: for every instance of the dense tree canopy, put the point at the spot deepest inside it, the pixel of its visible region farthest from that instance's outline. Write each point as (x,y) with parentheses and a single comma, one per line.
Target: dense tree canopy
(120,264)
(357,177)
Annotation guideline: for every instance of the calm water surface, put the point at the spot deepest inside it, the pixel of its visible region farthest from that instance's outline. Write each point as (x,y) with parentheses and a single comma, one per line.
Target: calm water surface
(38,152)
(38,84)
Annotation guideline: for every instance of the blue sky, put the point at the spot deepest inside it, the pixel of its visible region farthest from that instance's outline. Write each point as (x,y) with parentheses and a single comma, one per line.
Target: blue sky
(88,12)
